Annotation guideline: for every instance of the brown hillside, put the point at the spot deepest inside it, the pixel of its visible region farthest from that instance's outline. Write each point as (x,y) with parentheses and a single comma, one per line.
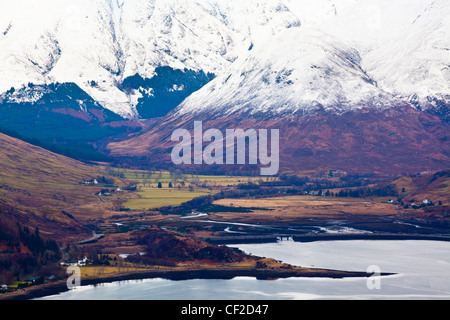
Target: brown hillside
(36,186)
(396,141)
(431,186)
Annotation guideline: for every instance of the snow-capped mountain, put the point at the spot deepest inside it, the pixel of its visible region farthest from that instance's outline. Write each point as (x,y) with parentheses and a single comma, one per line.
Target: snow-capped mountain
(358,85)
(417,68)
(299,72)
(106,41)
(346,55)
(354,84)
(400,47)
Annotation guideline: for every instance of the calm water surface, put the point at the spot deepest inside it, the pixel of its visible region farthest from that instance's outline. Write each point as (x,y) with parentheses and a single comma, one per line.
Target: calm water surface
(422,272)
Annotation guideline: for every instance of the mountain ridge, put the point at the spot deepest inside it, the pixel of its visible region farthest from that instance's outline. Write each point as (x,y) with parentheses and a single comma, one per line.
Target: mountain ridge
(394,141)
(314,73)
(108,41)
(353,64)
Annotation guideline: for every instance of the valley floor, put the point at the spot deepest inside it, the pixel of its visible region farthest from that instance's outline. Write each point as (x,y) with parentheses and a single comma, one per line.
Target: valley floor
(306,218)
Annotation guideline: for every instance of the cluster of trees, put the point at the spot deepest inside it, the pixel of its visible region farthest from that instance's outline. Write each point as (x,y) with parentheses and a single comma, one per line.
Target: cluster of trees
(245,191)
(382,191)
(36,244)
(353,186)
(105,180)
(93,254)
(28,253)
(165,90)
(424,204)
(115,172)
(76,150)
(165,248)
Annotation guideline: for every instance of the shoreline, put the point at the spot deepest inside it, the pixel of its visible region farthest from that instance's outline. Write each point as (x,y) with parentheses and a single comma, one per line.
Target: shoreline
(54,288)
(325,237)
(58,287)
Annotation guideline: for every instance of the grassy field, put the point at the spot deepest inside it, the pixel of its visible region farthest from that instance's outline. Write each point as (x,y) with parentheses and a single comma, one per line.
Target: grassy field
(151,178)
(153,198)
(306,207)
(176,188)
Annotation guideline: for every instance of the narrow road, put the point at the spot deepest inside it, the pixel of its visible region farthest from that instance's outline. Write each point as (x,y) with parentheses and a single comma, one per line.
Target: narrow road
(94,238)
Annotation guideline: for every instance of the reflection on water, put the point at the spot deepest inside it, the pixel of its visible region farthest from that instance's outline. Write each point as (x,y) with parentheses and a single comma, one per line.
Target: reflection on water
(422,272)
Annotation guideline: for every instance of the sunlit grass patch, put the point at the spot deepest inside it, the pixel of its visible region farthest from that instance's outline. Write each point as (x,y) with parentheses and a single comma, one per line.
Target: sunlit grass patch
(153,198)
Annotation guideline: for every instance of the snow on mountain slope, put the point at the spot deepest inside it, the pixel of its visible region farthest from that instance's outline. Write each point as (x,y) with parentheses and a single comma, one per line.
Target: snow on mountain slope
(393,50)
(401,46)
(200,35)
(62,41)
(106,41)
(418,68)
(363,24)
(404,45)
(299,71)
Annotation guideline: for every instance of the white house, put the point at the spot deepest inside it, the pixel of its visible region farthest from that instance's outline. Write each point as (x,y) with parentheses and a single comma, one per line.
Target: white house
(82,262)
